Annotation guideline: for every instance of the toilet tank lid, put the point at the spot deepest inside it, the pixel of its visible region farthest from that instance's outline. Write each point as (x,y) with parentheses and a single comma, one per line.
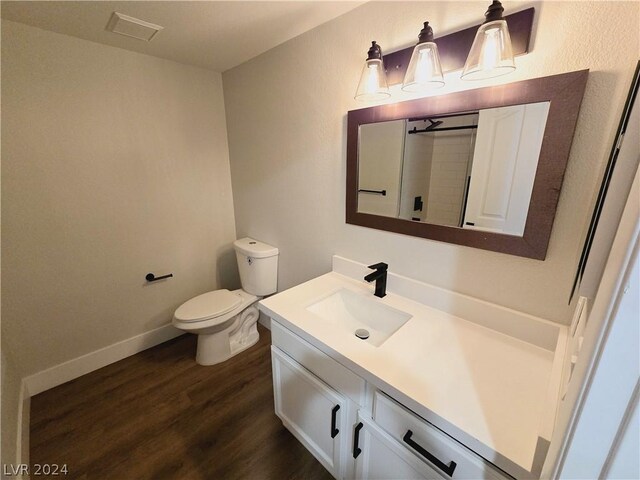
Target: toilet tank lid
(253,248)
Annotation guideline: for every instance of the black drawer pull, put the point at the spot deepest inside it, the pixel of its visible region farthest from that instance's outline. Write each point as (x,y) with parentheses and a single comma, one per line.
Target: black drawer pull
(356,439)
(448,469)
(334,430)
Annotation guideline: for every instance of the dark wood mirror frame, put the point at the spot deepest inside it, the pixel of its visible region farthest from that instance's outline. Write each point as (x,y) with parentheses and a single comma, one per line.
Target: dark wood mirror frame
(564,92)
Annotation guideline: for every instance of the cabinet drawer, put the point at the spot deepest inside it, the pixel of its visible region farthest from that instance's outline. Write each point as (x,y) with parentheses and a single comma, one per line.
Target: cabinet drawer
(431,445)
(319,363)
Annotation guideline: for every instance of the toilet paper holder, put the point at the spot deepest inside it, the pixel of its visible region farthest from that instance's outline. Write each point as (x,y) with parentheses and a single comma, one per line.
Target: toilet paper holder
(150,277)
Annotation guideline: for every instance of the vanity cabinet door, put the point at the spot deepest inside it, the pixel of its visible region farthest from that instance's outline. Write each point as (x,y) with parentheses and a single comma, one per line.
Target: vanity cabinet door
(314,412)
(378,456)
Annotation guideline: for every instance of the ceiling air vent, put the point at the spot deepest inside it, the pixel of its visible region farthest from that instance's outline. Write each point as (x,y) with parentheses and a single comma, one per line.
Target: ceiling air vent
(132,27)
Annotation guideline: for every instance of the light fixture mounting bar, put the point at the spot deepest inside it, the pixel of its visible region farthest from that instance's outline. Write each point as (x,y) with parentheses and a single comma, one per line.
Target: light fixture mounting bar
(455,47)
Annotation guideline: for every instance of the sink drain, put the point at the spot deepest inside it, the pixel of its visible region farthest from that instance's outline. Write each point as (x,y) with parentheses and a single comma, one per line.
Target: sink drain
(362,333)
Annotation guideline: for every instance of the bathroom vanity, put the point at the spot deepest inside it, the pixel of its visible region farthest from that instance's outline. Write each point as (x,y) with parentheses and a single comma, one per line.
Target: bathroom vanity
(445,385)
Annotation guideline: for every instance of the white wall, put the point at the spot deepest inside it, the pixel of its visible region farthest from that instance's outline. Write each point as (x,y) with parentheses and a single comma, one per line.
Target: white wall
(115,164)
(294,163)
(597,412)
(624,461)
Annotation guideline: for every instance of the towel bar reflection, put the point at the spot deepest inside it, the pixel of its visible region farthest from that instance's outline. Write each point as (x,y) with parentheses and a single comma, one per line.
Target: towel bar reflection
(150,277)
(377,192)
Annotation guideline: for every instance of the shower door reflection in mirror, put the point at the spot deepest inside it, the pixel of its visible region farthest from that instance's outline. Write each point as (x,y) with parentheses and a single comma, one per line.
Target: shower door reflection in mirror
(472,170)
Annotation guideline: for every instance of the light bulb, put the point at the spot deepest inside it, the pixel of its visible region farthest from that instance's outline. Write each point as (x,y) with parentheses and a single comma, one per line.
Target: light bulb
(373,72)
(491,49)
(424,70)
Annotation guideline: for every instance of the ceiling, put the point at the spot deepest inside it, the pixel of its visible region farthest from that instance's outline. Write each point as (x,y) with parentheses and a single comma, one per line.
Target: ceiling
(217,35)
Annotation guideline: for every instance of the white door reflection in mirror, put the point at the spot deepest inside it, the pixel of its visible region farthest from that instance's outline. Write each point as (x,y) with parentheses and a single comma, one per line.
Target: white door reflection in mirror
(505,159)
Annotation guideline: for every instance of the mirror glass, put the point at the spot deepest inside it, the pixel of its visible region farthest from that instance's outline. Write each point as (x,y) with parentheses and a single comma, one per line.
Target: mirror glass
(473,170)
(481,168)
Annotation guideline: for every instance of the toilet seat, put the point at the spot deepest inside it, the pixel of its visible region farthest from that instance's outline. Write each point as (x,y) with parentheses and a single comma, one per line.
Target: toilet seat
(208,306)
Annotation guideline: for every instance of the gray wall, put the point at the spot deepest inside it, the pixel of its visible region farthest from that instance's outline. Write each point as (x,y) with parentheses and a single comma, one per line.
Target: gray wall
(9,405)
(114,164)
(288,173)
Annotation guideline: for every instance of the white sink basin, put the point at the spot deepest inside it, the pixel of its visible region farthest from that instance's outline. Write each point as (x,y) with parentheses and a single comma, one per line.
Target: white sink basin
(351,311)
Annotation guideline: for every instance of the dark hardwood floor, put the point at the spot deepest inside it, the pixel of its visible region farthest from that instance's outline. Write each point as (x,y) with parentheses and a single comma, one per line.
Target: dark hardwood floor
(159,415)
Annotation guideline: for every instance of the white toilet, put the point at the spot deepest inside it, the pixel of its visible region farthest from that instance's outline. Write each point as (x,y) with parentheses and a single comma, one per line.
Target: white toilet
(225,321)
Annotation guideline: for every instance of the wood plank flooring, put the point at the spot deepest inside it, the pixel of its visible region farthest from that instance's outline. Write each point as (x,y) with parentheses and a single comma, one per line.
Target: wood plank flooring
(159,415)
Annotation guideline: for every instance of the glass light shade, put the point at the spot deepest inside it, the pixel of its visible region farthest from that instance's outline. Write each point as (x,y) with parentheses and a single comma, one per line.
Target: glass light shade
(424,71)
(491,54)
(373,82)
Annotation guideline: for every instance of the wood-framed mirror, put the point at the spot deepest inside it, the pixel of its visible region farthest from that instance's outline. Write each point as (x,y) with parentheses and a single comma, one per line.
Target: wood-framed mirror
(481,168)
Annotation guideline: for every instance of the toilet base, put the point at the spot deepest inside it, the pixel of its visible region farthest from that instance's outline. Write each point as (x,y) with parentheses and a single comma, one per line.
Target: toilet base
(241,334)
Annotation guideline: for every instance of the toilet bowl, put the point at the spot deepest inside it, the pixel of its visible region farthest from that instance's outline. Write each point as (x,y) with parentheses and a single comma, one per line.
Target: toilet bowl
(226,321)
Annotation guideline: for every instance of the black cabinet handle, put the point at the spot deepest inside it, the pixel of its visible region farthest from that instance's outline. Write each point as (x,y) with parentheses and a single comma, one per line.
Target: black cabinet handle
(448,469)
(356,439)
(334,430)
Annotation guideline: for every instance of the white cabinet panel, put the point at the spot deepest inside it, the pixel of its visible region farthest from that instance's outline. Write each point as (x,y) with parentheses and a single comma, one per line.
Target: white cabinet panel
(310,409)
(380,457)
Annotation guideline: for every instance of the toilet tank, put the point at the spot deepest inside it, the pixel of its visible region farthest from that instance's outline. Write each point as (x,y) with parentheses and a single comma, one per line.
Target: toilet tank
(258,266)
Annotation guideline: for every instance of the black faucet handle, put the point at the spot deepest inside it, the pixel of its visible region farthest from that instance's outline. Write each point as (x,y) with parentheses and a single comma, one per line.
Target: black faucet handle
(379,266)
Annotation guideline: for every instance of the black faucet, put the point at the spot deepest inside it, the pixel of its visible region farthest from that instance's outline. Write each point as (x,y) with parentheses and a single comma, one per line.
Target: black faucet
(380,276)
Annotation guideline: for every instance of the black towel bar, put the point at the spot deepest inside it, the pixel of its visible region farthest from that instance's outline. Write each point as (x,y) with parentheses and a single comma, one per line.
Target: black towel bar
(377,192)
(150,277)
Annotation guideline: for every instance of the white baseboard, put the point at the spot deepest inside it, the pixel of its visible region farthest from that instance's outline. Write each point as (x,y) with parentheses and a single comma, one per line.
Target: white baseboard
(72,369)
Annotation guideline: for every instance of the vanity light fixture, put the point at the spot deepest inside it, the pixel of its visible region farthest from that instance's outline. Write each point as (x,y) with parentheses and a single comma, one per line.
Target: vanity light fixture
(491,54)
(373,80)
(424,71)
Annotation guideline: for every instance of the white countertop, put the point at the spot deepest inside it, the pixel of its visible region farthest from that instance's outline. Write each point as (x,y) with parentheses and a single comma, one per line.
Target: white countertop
(483,387)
